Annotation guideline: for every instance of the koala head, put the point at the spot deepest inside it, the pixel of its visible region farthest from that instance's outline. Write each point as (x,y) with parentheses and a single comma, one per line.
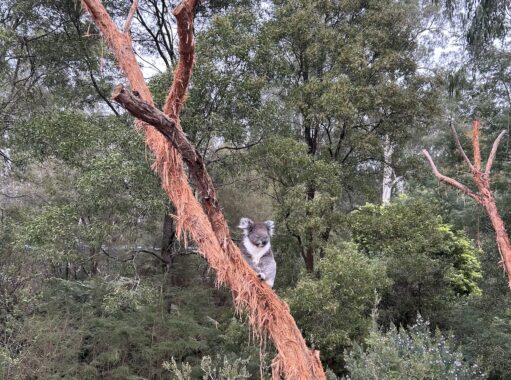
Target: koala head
(258,233)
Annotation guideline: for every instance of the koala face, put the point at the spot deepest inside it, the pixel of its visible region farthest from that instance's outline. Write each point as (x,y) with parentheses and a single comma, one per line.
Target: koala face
(258,233)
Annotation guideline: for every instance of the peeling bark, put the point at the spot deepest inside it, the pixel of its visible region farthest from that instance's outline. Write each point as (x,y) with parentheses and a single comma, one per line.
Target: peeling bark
(205,223)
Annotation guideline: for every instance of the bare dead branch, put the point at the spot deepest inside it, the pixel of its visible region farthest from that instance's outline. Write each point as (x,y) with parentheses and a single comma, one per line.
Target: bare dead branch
(460,147)
(484,196)
(475,144)
(450,181)
(5,156)
(493,152)
(154,254)
(131,14)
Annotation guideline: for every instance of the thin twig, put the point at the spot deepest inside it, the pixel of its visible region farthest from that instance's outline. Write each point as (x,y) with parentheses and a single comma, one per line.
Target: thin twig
(250,145)
(460,148)
(5,156)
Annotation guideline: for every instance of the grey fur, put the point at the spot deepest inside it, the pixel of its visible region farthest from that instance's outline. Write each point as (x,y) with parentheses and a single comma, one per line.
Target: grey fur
(256,248)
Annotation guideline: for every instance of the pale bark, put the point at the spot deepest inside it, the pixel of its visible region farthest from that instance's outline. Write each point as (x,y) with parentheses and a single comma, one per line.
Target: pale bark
(389,176)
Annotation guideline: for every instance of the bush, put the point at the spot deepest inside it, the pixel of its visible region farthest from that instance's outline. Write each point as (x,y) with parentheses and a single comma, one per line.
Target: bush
(334,309)
(415,353)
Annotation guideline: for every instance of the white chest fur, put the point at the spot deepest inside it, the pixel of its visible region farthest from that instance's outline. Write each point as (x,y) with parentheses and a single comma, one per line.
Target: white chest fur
(254,251)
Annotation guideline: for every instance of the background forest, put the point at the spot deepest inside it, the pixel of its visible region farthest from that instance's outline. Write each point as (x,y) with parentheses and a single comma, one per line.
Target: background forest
(311,113)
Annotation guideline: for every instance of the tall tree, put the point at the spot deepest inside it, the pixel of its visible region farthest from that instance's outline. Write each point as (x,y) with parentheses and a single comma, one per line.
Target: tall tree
(204,221)
(347,76)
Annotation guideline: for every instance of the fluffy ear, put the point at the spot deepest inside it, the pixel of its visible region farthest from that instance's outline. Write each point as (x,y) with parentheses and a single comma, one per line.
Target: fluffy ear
(270,225)
(246,223)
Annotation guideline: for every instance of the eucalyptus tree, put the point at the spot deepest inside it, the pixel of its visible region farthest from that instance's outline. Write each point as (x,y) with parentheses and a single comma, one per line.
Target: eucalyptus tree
(345,75)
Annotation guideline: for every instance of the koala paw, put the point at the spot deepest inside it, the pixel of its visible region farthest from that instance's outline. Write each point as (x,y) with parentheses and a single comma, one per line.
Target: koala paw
(262,276)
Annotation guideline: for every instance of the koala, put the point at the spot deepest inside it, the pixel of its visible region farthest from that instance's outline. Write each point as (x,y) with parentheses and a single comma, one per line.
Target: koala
(256,248)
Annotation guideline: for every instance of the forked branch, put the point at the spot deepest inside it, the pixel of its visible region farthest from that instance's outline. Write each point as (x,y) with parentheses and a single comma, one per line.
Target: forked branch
(167,127)
(484,196)
(205,224)
(450,181)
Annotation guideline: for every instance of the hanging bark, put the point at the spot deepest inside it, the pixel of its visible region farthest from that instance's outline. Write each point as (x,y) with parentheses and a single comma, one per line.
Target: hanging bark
(484,196)
(204,222)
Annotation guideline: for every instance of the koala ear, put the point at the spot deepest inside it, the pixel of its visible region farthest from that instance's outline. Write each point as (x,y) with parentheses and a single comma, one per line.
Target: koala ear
(246,223)
(270,225)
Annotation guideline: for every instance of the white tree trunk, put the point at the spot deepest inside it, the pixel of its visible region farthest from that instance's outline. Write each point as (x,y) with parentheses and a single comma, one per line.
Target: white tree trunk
(389,177)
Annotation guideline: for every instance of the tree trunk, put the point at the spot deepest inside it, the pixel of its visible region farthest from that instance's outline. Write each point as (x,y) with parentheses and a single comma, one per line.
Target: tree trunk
(309,259)
(388,171)
(205,223)
(501,234)
(168,254)
(309,248)
(93,261)
(168,241)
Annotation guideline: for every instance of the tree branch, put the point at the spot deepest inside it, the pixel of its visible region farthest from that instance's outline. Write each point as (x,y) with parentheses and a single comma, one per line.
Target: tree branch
(475,145)
(167,127)
(5,156)
(493,152)
(154,254)
(177,94)
(131,14)
(485,196)
(460,148)
(452,182)
(250,145)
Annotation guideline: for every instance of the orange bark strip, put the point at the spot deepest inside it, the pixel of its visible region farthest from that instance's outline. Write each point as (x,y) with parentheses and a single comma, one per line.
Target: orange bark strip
(131,14)
(177,94)
(501,234)
(460,148)
(268,315)
(121,45)
(176,99)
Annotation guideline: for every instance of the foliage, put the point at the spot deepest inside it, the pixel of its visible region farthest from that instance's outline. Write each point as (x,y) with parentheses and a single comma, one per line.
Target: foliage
(427,260)
(218,369)
(412,353)
(334,309)
(97,186)
(481,324)
(116,329)
(293,104)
